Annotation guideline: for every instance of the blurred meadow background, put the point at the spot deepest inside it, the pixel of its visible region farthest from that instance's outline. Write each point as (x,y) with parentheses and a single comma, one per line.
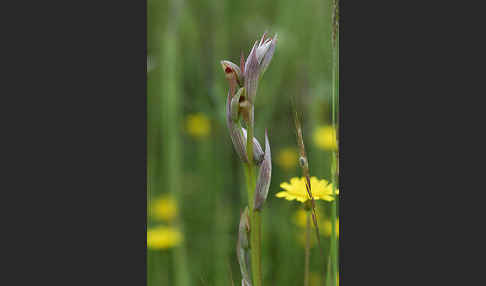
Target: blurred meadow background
(196,184)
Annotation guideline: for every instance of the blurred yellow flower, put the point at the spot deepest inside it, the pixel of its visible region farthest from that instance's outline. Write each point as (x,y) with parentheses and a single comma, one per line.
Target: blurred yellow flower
(296,190)
(164,208)
(287,158)
(300,218)
(163,237)
(328,227)
(198,125)
(325,138)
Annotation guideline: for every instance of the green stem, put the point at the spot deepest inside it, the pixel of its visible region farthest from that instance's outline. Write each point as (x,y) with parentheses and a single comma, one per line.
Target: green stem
(256,248)
(255,216)
(334,166)
(307,248)
(172,155)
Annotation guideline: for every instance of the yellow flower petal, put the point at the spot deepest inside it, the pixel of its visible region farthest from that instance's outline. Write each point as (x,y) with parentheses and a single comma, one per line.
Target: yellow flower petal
(286,186)
(281,195)
(296,190)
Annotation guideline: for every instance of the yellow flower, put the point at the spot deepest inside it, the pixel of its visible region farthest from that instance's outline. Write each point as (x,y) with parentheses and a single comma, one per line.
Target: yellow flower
(325,138)
(164,208)
(328,227)
(198,125)
(287,158)
(163,237)
(300,218)
(296,190)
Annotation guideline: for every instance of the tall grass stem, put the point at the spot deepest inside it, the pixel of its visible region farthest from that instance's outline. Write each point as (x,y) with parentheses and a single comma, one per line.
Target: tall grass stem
(173,158)
(307,248)
(335,124)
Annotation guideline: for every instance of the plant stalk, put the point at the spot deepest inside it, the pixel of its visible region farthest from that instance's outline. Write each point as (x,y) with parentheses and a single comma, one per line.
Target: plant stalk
(172,155)
(335,124)
(255,216)
(307,248)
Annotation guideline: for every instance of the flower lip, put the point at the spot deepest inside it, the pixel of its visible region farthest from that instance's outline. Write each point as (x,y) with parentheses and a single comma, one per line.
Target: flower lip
(229,67)
(231,71)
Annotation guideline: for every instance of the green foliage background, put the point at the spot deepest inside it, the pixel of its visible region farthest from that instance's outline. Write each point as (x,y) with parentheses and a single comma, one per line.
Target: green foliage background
(186,41)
